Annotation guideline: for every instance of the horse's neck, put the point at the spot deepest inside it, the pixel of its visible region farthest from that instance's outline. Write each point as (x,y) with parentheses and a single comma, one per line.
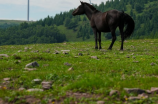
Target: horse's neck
(88,12)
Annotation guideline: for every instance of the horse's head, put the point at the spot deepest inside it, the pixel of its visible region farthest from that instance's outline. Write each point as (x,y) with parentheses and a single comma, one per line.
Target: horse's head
(80,10)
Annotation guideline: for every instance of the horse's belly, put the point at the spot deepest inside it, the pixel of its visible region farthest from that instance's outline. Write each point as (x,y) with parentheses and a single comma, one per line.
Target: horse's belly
(103,28)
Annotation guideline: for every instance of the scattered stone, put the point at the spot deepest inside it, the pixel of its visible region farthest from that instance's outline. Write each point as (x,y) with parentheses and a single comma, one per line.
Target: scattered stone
(67,64)
(22,89)
(134,57)
(20,51)
(65,51)
(46,85)
(37,81)
(100,102)
(80,54)
(154,90)
(70,69)
(94,57)
(143,96)
(103,50)
(30,69)
(152,64)
(4,55)
(127,56)
(47,51)
(56,52)
(32,64)
(134,98)
(136,61)
(114,92)
(6,79)
(134,90)
(26,48)
(35,89)
(36,51)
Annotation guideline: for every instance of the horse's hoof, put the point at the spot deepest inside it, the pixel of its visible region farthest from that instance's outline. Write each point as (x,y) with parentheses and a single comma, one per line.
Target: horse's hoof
(109,49)
(96,47)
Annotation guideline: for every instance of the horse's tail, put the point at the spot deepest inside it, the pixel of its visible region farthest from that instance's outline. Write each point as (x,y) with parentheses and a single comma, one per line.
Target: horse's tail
(129,24)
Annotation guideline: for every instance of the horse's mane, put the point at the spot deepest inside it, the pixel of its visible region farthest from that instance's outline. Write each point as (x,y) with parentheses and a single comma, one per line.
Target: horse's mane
(92,7)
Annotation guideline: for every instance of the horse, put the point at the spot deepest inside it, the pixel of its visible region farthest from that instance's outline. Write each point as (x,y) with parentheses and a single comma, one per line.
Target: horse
(106,22)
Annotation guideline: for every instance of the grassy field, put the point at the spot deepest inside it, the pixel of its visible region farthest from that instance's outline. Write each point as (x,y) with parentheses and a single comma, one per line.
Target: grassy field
(90,81)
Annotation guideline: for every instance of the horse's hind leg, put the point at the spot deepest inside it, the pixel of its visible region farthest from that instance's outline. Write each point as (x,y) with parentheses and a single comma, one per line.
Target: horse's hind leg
(96,38)
(99,40)
(122,36)
(113,39)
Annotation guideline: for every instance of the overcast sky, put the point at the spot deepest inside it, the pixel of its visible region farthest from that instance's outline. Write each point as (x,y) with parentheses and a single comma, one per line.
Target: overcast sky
(39,9)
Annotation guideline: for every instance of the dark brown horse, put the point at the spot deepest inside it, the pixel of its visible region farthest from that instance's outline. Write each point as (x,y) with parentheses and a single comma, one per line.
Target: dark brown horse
(106,22)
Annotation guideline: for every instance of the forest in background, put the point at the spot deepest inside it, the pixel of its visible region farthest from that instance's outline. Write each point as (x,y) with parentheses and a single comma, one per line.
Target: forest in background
(64,27)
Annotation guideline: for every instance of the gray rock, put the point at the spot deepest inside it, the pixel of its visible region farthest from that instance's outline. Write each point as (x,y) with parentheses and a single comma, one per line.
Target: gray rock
(70,69)
(152,64)
(22,89)
(46,85)
(134,90)
(94,57)
(67,64)
(30,69)
(134,98)
(154,90)
(36,81)
(114,92)
(100,102)
(4,55)
(35,90)
(32,64)
(80,54)
(6,79)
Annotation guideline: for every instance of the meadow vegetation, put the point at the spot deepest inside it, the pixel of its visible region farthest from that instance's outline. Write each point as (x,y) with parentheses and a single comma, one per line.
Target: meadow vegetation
(135,67)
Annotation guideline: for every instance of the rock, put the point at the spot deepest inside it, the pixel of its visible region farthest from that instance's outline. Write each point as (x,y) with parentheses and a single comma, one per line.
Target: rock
(46,85)
(30,69)
(37,81)
(56,52)
(67,64)
(20,51)
(143,96)
(152,64)
(114,92)
(22,89)
(134,90)
(32,64)
(94,57)
(100,102)
(35,89)
(36,51)
(65,51)
(154,90)
(6,79)
(134,98)
(70,69)
(4,55)
(80,54)
(136,61)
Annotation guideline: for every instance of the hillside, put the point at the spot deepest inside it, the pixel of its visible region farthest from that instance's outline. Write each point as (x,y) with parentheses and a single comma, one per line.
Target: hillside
(76,73)
(9,23)
(69,28)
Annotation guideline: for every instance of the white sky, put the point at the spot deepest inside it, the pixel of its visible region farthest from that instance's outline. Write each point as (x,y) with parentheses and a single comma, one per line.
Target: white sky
(39,9)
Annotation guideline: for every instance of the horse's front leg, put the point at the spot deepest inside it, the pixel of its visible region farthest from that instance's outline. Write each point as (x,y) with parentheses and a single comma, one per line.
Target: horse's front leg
(96,38)
(99,40)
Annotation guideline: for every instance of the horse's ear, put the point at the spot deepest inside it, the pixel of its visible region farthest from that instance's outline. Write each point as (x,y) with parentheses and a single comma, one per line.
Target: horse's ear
(81,2)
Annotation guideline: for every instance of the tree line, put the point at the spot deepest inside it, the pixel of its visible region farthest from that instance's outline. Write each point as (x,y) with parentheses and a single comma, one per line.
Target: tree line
(144,13)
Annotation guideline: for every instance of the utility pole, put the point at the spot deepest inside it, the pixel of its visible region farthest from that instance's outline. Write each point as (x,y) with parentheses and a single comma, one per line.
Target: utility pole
(28,11)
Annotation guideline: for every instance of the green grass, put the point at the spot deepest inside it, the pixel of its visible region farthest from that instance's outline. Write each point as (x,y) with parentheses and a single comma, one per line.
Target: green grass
(114,69)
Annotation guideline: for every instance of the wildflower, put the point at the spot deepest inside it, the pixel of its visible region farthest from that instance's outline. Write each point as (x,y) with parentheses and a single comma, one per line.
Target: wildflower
(4,88)
(126,99)
(53,102)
